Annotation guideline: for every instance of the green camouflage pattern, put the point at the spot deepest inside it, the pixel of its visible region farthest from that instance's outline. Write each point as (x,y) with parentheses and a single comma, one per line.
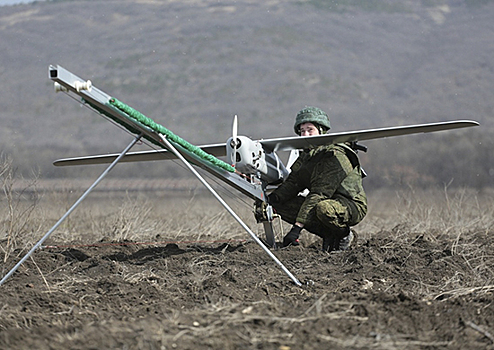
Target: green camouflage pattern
(312,115)
(336,199)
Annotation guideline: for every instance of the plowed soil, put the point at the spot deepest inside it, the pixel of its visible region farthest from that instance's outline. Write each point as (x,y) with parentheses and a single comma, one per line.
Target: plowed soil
(395,289)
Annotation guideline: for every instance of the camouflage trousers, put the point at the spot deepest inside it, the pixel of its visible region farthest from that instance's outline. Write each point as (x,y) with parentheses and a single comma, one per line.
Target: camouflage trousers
(329,216)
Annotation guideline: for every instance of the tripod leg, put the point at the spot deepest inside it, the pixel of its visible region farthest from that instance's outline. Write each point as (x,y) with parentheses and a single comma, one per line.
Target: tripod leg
(71,209)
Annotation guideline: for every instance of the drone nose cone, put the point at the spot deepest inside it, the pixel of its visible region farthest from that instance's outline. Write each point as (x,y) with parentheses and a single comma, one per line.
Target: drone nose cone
(235,143)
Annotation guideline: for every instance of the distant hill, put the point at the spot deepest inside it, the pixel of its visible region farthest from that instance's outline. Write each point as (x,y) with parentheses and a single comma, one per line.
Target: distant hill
(192,65)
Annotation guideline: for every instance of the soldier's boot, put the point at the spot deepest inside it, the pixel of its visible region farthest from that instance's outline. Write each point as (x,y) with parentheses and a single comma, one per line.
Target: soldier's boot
(332,241)
(347,241)
(328,243)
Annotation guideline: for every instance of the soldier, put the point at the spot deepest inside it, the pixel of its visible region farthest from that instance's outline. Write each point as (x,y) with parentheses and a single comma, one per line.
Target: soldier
(333,177)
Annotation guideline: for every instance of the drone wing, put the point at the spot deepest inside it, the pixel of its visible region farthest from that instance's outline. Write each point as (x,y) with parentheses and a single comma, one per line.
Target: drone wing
(216,150)
(296,142)
(280,143)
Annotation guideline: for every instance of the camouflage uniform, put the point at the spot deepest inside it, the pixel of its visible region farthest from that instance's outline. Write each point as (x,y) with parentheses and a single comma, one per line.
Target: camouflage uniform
(336,199)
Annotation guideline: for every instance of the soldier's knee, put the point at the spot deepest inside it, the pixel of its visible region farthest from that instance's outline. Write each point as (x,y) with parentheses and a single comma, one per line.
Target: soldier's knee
(326,211)
(332,213)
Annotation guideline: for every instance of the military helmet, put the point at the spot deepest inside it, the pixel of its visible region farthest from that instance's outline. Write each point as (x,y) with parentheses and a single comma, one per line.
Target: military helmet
(312,115)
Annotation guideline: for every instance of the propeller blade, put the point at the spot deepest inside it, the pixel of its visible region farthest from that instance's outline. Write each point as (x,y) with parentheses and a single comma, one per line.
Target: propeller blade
(234,139)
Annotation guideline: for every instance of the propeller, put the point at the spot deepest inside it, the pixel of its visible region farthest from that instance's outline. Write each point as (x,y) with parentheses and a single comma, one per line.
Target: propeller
(234,140)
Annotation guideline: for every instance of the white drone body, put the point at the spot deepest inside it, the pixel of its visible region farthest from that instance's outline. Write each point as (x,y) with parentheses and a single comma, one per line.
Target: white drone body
(250,158)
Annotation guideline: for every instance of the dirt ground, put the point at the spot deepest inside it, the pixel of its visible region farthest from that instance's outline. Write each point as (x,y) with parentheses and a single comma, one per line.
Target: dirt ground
(396,289)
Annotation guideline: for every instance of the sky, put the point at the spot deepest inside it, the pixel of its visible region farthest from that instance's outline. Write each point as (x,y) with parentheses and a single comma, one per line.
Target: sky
(15,2)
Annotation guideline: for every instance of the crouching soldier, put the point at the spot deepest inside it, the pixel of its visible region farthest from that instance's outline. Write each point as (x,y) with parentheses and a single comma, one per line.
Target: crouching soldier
(333,176)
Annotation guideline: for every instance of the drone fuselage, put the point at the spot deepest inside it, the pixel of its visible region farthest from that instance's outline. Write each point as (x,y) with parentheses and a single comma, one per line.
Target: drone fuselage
(250,158)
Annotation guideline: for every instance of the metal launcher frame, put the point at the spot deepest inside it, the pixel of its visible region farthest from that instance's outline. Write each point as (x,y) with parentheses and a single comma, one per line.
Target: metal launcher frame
(252,186)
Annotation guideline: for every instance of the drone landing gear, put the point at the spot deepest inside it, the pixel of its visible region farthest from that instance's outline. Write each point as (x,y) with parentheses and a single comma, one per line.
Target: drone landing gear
(268,230)
(264,214)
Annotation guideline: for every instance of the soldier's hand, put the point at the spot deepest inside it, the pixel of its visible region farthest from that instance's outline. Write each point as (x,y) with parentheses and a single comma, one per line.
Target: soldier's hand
(291,237)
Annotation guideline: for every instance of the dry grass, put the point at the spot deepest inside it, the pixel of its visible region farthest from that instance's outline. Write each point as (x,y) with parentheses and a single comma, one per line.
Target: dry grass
(436,212)
(18,206)
(455,215)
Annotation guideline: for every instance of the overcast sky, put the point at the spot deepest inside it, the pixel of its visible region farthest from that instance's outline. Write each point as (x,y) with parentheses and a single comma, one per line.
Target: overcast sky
(15,2)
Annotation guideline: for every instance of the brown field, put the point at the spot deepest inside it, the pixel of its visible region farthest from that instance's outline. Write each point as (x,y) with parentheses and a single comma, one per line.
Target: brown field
(172,270)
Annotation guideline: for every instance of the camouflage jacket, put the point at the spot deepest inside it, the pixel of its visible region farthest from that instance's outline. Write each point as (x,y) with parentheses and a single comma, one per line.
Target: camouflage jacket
(328,172)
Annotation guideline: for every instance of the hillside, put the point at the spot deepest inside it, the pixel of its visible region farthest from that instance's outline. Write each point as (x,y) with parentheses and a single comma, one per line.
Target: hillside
(192,65)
